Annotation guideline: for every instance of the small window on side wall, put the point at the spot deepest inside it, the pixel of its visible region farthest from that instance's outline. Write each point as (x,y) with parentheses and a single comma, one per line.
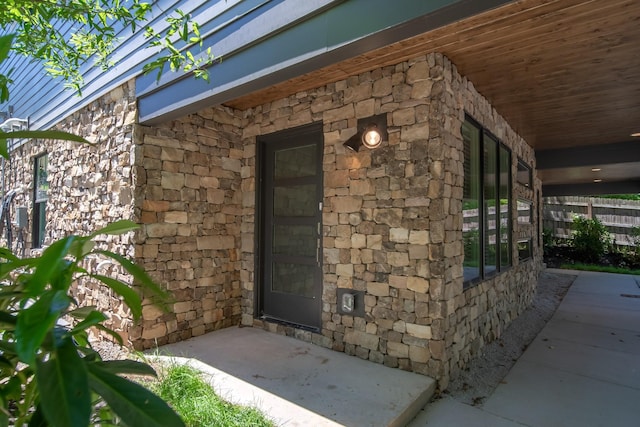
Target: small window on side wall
(524,249)
(525,174)
(40,190)
(525,211)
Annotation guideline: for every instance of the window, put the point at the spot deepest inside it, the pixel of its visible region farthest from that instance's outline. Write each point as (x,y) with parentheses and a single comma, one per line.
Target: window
(40,189)
(525,174)
(525,211)
(486,204)
(524,249)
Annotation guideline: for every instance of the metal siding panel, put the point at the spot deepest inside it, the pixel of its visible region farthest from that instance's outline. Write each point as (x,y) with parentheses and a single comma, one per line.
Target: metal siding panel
(322,39)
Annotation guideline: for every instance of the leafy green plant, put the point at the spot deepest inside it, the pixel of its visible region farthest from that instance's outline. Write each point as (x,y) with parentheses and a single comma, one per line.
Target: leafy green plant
(590,239)
(50,375)
(548,240)
(197,403)
(42,32)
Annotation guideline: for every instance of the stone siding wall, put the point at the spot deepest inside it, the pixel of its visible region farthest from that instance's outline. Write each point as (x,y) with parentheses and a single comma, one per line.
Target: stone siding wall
(189,200)
(479,315)
(392,218)
(89,187)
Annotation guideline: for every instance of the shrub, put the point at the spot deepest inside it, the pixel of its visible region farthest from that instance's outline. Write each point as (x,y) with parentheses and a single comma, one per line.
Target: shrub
(49,374)
(590,239)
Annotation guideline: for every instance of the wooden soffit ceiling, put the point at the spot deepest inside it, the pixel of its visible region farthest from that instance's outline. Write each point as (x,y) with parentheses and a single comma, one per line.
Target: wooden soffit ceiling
(564,73)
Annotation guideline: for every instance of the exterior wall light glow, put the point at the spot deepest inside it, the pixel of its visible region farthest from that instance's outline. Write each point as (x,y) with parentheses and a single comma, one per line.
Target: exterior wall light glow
(372,132)
(372,137)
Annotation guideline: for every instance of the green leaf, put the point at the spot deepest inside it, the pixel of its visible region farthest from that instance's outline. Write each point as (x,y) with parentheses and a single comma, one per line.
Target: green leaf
(7,267)
(81,246)
(7,319)
(4,150)
(111,332)
(48,264)
(43,134)
(138,273)
(136,405)
(8,347)
(130,296)
(64,388)
(5,46)
(92,319)
(82,312)
(126,367)
(36,321)
(8,255)
(118,227)
(37,419)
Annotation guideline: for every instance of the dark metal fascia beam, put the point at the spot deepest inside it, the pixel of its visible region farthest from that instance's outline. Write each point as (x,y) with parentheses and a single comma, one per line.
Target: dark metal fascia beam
(592,188)
(618,152)
(244,72)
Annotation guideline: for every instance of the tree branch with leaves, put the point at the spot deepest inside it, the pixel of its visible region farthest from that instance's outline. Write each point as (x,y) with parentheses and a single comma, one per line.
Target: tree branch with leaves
(69,35)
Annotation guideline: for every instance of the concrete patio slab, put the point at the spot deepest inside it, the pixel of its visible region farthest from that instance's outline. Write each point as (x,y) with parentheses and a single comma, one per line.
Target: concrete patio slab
(301,384)
(448,412)
(622,340)
(621,368)
(583,369)
(541,396)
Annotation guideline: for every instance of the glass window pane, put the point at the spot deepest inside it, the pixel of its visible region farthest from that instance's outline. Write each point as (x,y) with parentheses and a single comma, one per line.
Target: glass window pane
(524,249)
(525,175)
(295,162)
(471,202)
(296,200)
(491,216)
(294,279)
(525,211)
(42,185)
(299,240)
(505,207)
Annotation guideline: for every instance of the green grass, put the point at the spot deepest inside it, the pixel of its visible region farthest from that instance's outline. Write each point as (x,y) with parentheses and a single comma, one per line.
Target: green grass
(602,268)
(198,405)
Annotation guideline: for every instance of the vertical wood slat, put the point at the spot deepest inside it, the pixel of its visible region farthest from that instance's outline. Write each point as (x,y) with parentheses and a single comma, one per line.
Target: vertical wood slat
(619,216)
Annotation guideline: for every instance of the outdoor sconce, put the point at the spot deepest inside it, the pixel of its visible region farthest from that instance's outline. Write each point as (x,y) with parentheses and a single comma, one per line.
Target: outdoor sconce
(371,133)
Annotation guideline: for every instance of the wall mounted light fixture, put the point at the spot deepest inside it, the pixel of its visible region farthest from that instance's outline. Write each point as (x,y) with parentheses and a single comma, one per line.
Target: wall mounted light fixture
(372,131)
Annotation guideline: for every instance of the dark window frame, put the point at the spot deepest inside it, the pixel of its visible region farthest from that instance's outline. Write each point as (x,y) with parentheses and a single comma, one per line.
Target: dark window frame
(524,168)
(39,202)
(488,140)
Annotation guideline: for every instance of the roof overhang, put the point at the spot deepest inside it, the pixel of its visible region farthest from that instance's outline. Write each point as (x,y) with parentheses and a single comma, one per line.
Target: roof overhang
(564,73)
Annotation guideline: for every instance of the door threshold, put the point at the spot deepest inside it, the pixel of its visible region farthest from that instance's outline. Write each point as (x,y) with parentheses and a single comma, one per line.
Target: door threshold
(283,322)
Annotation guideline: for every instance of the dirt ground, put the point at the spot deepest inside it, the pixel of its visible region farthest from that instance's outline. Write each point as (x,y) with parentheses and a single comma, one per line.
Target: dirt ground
(485,372)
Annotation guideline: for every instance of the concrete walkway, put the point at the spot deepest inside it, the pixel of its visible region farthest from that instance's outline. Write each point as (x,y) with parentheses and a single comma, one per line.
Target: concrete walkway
(582,370)
(301,384)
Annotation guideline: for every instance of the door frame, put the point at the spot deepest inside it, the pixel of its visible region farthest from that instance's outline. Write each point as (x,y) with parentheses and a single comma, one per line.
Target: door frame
(315,130)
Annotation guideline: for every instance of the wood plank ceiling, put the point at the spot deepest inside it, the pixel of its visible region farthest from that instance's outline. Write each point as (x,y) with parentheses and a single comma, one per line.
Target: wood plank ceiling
(564,73)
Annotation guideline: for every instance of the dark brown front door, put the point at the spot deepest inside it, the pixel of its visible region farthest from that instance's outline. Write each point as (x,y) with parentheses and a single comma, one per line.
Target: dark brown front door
(291,226)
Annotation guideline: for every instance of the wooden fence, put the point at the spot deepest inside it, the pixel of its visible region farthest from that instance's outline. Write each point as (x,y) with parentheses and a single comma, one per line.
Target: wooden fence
(619,216)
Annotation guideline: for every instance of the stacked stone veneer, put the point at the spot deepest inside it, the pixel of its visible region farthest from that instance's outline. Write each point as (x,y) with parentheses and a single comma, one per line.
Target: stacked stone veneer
(89,187)
(392,217)
(189,199)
